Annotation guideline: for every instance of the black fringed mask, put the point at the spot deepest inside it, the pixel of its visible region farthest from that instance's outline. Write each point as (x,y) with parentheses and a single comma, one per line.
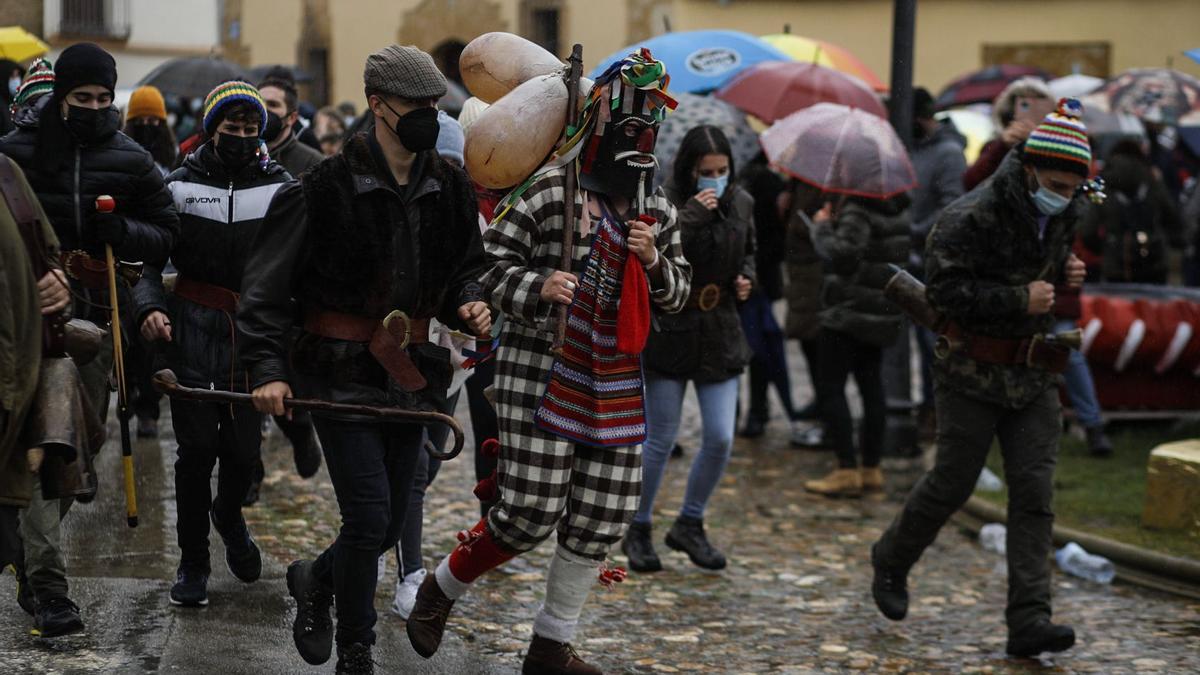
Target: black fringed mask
(620,154)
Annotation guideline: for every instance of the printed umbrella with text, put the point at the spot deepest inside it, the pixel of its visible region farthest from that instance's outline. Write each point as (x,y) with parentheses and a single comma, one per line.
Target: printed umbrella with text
(772,91)
(700,61)
(840,150)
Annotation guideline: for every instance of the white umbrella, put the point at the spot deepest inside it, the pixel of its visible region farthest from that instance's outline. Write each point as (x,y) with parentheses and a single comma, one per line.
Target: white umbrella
(1074,85)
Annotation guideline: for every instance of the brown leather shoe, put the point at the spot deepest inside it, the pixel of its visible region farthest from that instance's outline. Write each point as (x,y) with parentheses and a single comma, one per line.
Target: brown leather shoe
(872,479)
(839,483)
(548,657)
(427,622)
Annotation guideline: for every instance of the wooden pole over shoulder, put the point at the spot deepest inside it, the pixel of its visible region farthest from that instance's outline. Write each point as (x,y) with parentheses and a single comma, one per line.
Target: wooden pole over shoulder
(574,73)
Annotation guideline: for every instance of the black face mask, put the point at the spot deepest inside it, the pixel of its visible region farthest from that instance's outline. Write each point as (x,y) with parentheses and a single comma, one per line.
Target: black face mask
(236,151)
(418,130)
(615,163)
(91,125)
(274,127)
(146,135)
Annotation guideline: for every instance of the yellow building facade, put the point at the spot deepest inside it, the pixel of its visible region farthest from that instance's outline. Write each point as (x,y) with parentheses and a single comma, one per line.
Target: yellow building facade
(332,38)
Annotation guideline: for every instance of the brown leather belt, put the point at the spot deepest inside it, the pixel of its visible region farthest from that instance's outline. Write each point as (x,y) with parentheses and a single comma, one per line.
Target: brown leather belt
(93,273)
(1033,352)
(706,298)
(207,295)
(355,328)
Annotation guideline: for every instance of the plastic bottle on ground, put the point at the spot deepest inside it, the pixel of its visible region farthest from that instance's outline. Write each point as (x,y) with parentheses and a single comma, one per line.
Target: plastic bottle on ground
(992,537)
(1075,561)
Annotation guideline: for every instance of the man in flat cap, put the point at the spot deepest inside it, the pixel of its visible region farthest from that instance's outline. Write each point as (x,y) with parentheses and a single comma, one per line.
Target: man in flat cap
(385,229)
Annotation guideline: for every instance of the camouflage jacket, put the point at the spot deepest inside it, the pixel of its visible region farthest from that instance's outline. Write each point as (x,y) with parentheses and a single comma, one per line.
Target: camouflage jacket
(979,258)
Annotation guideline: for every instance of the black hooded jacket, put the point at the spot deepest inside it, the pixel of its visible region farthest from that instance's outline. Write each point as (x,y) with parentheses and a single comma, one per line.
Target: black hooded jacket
(219,215)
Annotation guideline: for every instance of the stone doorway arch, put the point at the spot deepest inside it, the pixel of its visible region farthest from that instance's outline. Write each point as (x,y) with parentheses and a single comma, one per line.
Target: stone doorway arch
(434,23)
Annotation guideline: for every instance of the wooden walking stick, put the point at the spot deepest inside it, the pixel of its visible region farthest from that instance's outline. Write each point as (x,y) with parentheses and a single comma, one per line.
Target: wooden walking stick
(574,73)
(106,204)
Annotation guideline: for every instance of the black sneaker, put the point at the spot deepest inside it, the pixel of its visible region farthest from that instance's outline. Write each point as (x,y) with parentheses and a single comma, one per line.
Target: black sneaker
(355,659)
(241,553)
(1098,443)
(687,535)
(639,549)
(889,587)
(57,617)
(312,630)
(1042,636)
(191,587)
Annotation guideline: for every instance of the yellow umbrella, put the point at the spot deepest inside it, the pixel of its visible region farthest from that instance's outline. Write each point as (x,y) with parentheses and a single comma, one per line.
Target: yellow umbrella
(18,44)
(975,126)
(808,50)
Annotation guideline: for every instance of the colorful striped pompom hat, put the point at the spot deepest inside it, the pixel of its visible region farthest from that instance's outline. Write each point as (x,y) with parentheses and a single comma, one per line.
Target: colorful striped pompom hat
(227,93)
(1060,141)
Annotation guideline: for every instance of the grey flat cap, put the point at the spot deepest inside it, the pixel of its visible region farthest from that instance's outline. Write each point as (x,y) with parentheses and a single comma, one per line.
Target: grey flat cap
(407,72)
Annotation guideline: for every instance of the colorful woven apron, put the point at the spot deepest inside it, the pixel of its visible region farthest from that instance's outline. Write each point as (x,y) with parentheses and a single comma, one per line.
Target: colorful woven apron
(595,393)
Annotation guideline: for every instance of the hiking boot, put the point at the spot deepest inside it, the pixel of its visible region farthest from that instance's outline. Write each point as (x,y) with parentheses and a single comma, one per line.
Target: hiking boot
(312,630)
(306,451)
(356,659)
(406,593)
(191,587)
(807,434)
(889,587)
(427,621)
(687,535)
(25,597)
(638,548)
(147,427)
(57,617)
(549,657)
(241,553)
(1042,636)
(872,479)
(754,428)
(838,483)
(1097,442)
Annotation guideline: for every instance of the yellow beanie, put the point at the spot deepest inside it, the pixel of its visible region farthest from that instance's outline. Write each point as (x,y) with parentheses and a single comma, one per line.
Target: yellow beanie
(146,101)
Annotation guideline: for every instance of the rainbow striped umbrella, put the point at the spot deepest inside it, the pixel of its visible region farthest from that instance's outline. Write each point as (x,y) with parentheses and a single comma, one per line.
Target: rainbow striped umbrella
(808,50)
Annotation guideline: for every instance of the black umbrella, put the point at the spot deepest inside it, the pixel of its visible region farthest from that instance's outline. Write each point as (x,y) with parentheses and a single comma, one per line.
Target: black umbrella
(299,75)
(193,77)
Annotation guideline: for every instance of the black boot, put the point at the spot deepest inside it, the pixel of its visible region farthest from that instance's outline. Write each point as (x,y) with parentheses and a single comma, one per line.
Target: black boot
(1042,636)
(56,617)
(241,553)
(687,535)
(639,549)
(1097,442)
(356,659)
(312,630)
(889,587)
(191,586)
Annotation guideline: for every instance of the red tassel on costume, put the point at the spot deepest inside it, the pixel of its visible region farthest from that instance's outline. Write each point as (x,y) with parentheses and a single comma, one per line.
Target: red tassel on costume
(476,553)
(633,314)
(488,489)
(611,576)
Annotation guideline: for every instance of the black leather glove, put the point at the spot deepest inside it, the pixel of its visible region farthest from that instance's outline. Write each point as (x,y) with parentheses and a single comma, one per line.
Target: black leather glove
(108,228)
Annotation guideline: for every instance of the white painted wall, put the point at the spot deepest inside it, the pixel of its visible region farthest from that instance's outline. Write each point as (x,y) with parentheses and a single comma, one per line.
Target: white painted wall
(176,24)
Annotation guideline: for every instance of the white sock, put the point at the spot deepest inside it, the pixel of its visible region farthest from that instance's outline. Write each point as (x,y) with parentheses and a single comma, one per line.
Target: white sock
(568,584)
(452,587)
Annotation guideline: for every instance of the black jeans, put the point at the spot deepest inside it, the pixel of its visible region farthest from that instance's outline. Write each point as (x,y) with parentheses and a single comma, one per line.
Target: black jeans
(208,432)
(1029,442)
(371,467)
(841,355)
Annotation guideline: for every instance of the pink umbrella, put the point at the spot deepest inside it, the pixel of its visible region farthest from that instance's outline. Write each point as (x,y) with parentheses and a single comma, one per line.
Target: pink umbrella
(773,90)
(840,149)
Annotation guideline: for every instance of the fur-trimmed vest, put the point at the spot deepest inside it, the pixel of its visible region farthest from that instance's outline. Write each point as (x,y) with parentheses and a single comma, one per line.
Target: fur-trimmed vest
(367,245)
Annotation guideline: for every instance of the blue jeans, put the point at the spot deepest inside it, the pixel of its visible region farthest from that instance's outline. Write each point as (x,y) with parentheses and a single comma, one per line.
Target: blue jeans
(718,412)
(1081,392)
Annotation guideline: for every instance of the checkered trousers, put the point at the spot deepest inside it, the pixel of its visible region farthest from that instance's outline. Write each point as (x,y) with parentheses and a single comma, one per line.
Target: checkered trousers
(547,483)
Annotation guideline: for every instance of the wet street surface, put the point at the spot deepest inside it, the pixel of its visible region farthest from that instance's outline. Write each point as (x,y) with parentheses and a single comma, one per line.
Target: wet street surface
(795,597)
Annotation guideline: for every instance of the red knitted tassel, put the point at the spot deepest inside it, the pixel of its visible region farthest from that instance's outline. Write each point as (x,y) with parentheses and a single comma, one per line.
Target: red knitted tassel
(633,314)
(476,553)
(611,576)
(488,489)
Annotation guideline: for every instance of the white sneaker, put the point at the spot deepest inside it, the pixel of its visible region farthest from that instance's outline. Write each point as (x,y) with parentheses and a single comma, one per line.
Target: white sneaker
(806,434)
(406,594)
(381,569)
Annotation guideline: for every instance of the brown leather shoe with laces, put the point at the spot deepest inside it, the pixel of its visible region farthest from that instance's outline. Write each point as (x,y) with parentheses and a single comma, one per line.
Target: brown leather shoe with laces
(548,657)
(427,622)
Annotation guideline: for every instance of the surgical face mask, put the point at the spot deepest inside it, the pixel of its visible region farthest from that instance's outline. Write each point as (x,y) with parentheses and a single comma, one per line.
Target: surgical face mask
(418,130)
(236,151)
(92,125)
(1047,201)
(14,83)
(717,184)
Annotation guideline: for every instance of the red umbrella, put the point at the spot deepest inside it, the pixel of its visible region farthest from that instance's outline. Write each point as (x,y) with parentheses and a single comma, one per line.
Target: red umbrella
(983,86)
(773,90)
(840,149)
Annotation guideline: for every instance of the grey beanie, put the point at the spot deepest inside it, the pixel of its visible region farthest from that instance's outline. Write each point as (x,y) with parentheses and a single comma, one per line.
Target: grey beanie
(406,72)
(450,138)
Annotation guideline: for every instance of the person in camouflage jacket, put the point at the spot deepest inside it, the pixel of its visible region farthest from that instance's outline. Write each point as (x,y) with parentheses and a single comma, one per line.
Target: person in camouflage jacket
(991,262)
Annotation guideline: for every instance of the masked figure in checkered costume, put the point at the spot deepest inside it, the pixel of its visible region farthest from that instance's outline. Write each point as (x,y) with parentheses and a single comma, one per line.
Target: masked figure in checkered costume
(571,423)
